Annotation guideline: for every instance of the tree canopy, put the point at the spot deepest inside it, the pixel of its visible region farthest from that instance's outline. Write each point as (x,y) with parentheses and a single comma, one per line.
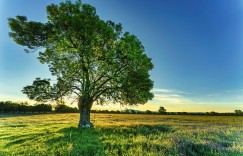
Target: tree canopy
(162,110)
(91,58)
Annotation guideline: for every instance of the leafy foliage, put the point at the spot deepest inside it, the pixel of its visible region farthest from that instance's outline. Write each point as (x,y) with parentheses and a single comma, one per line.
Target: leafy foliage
(162,110)
(65,109)
(91,58)
(39,90)
(239,112)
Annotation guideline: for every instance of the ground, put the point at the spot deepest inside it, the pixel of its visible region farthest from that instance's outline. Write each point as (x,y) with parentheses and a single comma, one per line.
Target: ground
(120,134)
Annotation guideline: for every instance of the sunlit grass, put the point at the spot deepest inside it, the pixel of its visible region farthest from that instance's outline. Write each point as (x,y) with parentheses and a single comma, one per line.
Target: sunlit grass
(121,134)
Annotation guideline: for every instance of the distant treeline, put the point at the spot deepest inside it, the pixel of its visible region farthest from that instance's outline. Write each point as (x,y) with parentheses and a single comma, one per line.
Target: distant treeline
(14,107)
(212,113)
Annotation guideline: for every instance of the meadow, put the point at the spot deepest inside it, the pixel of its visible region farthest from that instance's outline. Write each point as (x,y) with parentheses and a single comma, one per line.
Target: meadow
(121,134)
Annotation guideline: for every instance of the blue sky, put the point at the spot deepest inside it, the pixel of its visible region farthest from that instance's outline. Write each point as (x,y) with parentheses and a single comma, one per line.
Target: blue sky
(196,48)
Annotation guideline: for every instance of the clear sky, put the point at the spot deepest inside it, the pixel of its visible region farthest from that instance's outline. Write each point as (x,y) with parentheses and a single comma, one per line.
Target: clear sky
(196,48)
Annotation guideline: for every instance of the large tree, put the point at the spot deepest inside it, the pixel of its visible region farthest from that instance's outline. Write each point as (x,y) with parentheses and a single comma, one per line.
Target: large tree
(89,57)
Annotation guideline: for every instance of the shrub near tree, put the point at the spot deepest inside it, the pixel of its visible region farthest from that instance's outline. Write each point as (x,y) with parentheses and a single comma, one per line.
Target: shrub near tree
(91,58)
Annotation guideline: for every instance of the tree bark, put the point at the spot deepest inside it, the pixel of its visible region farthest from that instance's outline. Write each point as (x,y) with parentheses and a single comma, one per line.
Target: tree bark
(85,105)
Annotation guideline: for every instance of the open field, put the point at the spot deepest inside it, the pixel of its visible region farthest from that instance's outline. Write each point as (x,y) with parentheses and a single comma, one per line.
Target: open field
(121,134)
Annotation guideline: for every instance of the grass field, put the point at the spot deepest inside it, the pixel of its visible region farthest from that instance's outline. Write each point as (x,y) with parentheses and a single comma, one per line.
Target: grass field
(121,134)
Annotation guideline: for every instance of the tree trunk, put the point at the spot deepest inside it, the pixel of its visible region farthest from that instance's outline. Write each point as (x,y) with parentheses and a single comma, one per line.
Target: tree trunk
(85,105)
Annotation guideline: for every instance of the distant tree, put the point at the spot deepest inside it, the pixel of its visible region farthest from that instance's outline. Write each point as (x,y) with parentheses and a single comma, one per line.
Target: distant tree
(62,108)
(23,107)
(238,112)
(127,110)
(173,113)
(212,113)
(2,107)
(162,110)
(184,113)
(42,108)
(93,111)
(92,59)
(8,107)
(148,112)
(133,111)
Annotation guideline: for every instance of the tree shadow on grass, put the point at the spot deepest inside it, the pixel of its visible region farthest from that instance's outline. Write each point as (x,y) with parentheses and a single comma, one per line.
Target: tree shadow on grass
(135,130)
(66,141)
(111,141)
(94,141)
(15,140)
(124,139)
(76,141)
(16,144)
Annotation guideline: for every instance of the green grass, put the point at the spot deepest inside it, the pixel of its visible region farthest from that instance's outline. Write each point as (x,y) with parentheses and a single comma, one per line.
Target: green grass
(114,134)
